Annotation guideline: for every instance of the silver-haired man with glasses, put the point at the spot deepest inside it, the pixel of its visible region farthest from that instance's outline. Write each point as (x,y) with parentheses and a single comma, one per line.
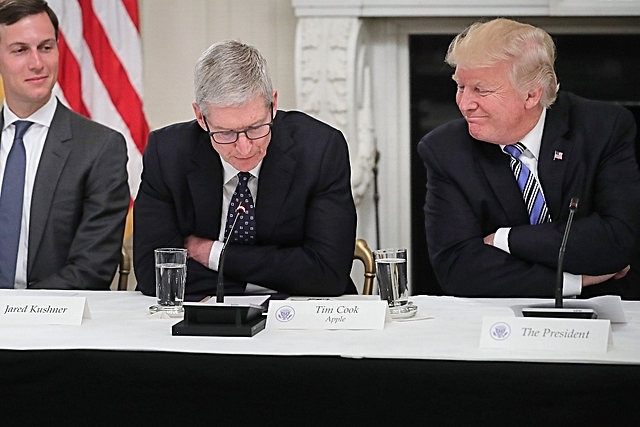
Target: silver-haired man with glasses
(288,172)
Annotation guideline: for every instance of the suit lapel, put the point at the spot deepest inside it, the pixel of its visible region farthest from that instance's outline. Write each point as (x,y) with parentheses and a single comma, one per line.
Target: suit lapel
(495,164)
(551,170)
(205,185)
(57,147)
(276,177)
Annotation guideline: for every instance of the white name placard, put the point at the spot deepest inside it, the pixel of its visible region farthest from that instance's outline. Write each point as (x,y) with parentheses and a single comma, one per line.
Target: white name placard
(327,314)
(49,310)
(534,333)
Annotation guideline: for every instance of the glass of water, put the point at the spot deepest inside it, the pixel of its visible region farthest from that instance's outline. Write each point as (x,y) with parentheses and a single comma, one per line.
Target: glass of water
(391,272)
(171,277)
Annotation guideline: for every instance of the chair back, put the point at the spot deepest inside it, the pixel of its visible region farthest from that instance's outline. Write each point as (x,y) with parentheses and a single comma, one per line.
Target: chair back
(124,268)
(364,254)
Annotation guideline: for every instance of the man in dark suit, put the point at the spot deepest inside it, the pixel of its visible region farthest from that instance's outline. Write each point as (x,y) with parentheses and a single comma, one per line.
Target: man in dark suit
(488,238)
(290,171)
(64,227)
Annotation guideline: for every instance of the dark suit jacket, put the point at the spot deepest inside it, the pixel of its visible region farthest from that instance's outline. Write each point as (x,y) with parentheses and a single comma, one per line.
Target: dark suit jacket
(79,205)
(471,192)
(305,214)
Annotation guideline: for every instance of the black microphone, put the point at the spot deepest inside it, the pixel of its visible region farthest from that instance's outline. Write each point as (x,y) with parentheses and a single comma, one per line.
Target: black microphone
(557,310)
(220,285)
(573,205)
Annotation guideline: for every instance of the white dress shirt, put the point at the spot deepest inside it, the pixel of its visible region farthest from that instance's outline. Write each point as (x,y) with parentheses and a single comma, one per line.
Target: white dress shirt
(33,140)
(532,141)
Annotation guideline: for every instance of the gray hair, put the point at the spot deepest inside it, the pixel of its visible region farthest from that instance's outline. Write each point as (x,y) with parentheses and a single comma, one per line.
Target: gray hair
(231,73)
(529,49)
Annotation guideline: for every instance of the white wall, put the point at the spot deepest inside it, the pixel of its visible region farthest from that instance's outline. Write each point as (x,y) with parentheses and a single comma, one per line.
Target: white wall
(175,32)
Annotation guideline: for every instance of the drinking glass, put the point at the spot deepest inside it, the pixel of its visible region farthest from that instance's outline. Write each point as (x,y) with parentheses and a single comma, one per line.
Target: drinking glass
(391,272)
(171,277)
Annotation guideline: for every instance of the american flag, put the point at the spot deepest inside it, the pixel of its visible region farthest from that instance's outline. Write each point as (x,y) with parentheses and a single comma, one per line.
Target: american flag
(100,73)
(557,155)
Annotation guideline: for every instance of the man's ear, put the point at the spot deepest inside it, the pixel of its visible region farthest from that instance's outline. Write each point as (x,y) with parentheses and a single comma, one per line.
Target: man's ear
(274,102)
(198,114)
(533,97)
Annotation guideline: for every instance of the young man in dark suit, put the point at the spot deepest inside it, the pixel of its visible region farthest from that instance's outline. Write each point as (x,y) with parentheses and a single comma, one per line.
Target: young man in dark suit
(486,236)
(64,194)
(291,172)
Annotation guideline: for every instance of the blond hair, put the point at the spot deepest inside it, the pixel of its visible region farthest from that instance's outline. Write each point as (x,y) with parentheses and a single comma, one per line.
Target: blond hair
(530,50)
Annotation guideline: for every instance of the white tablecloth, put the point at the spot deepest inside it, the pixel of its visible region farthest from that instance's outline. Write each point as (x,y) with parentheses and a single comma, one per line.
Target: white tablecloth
(120,321)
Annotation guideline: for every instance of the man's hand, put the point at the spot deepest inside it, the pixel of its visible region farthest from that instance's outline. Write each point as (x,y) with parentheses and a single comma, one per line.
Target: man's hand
(594,280)
(488,240)
(198,249)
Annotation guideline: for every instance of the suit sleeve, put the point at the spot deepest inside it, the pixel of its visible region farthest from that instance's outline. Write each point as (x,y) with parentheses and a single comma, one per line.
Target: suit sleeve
(155,221)
(464,264)
(607,222)
(321,263)
(95,249)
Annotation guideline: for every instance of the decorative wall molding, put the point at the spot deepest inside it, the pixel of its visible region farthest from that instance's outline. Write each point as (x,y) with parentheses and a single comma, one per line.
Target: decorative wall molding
(424,8)
(333,83)
(594,7)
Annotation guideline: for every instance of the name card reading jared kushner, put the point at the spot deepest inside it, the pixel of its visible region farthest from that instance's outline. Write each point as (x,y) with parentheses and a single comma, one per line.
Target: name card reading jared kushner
(39,310)
(531,333)
(327,314)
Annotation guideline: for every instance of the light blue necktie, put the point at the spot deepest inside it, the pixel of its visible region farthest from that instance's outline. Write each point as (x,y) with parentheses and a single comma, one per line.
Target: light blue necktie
(529,186)
(11,199)
(245,231)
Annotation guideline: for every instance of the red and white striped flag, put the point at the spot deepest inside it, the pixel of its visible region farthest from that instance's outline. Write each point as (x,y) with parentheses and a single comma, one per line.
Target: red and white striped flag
(100,74)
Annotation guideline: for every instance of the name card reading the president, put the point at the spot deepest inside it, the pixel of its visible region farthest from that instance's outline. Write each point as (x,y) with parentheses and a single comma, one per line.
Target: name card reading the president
(531,333)
(40,310)
(327,314)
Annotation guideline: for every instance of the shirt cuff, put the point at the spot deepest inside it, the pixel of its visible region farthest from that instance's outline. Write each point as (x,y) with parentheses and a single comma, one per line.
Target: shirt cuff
(214,255)
(501,239)
(572,284)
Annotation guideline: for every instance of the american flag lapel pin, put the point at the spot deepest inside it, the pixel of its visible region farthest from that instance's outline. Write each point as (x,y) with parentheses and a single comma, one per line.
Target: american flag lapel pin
(557,155)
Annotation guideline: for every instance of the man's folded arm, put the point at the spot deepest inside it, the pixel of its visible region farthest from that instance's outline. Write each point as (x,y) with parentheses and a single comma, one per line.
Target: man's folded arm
(464,264)
(603,241)
(320,265)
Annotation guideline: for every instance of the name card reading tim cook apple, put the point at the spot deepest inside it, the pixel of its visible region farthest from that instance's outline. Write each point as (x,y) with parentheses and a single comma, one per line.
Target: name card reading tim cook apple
(533,333)
(39,310)
(327,314)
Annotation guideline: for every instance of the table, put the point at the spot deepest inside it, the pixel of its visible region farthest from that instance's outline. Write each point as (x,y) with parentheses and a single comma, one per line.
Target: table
(121,367)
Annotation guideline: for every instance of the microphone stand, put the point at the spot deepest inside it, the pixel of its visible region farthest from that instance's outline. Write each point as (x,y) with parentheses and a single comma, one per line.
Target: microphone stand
(573,205)
(220,285)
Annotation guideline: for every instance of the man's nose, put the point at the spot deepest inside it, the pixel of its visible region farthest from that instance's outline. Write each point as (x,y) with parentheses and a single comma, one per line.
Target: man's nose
(466,100)
(243,144)
(35,60)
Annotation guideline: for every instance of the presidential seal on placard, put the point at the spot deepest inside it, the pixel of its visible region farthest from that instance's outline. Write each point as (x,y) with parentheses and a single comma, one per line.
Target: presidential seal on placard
(500,331)
(285,313)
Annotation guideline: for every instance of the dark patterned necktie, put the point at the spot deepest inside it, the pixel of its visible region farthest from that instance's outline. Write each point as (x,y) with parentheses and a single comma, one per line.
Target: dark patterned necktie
(529,186)
(11,199)
(245,231)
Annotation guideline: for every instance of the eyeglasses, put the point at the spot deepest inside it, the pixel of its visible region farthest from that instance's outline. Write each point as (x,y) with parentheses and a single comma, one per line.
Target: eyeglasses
(231,136)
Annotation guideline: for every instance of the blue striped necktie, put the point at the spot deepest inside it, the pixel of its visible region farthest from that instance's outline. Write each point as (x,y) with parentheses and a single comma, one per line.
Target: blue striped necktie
(529,186)
(11,199)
